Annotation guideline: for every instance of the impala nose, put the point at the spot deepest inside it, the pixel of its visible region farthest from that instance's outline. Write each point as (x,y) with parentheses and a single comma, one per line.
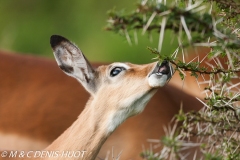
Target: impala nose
(164,67)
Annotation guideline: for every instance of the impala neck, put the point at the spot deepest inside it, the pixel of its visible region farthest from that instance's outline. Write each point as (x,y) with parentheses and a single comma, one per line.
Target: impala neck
(87,133)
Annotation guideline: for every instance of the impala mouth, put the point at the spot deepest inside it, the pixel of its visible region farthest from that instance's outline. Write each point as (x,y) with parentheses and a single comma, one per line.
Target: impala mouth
(160,75)
(163,69)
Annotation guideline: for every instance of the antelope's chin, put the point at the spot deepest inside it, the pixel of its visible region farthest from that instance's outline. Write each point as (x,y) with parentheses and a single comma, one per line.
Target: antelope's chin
(157,80)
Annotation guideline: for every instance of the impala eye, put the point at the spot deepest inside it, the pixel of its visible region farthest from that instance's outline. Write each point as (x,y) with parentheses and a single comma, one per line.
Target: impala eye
(115,71)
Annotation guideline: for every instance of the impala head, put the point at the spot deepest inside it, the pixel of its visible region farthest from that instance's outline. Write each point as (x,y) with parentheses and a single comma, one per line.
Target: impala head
(122,88)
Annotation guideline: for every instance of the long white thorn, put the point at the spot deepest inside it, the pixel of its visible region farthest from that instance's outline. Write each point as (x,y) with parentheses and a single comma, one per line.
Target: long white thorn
(203,59)
(161,35)
(149,22)
(205,44)
(229,58)
(202,102)
(215,55)
(198,84)
(183,55)
(174,55)
(219,62)
(189,3)
(164,13)
(182,72)
(196,4)
(153,140)
(107,155)
(128,37)
(144,2)
(186,28)
(222,89)
(173,130)
(192,60)
(233,86)
(210,10)
(199,9)
(119,155)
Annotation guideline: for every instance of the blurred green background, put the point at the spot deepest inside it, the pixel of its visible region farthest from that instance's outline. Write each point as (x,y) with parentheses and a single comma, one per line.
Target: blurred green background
(26,26)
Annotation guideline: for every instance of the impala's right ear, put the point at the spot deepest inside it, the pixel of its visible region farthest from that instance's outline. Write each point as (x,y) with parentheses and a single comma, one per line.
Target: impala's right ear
(72,61)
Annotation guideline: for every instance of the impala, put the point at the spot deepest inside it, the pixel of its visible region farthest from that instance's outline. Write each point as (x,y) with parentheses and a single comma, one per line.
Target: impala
(118,91)
(45,127)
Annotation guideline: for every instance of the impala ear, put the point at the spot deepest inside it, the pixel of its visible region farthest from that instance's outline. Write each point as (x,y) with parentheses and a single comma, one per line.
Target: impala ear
(72,61)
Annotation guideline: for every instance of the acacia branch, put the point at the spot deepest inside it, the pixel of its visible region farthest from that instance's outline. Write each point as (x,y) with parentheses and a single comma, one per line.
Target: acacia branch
(187,67)
(218,70)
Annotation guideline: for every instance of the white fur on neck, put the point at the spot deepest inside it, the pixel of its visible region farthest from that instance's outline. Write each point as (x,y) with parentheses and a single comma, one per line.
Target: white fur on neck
(137,106)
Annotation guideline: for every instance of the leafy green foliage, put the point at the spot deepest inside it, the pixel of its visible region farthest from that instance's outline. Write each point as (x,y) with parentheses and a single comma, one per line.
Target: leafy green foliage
(213,132)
